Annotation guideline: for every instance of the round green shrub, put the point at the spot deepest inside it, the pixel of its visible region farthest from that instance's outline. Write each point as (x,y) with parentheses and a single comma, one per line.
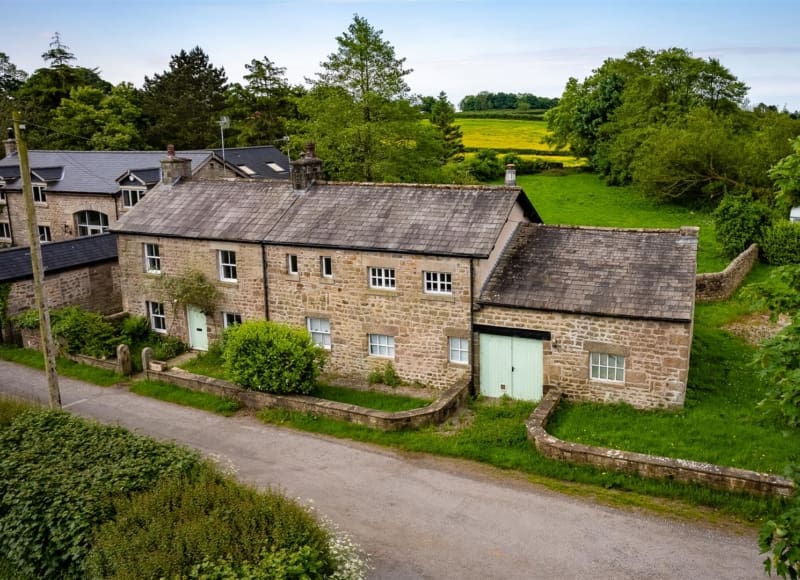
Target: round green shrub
(208,522)
(780,244)
(485,166)
(740,221)
(271,357)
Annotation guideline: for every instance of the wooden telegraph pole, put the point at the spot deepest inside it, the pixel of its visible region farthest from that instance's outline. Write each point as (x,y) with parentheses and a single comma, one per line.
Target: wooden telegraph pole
(37,267)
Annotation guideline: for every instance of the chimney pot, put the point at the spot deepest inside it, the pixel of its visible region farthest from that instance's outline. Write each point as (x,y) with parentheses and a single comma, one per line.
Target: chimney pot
(511,175)
(170,151)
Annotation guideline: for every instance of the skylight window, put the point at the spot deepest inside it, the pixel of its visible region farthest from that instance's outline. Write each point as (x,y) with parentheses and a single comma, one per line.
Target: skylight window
(247,170)
(275,167)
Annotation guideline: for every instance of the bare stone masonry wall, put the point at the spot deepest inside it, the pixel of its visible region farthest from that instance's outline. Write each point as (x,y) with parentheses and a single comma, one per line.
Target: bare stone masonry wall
(720,285)
(727,478)
(656,354)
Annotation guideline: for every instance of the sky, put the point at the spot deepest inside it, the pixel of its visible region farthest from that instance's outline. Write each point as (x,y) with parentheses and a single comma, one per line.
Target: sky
(460,47)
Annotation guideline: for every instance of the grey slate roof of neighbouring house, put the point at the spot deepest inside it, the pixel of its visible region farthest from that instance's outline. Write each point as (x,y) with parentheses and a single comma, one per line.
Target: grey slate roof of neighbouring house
(612,272)
(264,161)
(15,263)
(429,219)
(88,171)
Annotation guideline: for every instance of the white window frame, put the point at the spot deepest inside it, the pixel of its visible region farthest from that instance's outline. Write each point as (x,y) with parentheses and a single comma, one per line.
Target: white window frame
(292,266)
(326,266)
(227,265)
(152,258)
(90,229)
(128,195)
(320,331)
(2,196)
(458,350)
(437,282)
(381,345)
(230,319)
(44,234)
(5,231)
(39,194)
(607,367)
(158,318)
(382,278)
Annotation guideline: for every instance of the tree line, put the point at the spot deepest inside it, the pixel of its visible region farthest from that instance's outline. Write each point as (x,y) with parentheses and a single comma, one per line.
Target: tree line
(487,101)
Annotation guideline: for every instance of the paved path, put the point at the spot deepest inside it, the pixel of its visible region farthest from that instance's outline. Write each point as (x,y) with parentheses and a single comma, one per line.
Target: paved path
(423,517)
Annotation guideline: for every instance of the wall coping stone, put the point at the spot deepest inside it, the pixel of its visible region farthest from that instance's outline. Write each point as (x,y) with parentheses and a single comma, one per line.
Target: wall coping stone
(726,478)
(433,414)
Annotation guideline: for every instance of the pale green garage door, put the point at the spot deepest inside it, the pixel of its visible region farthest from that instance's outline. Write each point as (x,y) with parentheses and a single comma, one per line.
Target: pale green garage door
(511,366)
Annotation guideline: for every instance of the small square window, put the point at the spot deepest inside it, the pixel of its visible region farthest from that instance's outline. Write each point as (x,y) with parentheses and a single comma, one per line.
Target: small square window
(438,283)
(39,196)
(130,197)
(381,345)
(158,320)
(44,234)
(291,263)
(459,350)
(607,367)
(152,259)
(382,278)
(5,231)
(326,266)
(231,318)
(227,266)
(320,329)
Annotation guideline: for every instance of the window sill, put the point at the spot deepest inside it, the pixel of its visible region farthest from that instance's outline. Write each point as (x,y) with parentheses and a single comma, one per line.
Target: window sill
(381,292)
(230,282)
(381,356)
(327,280)
(438,297)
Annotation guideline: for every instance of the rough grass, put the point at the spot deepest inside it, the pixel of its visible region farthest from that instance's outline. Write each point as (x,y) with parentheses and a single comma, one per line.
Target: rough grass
(10,407)
(371,399)
(721,422)
(578,198)
(209,364)
(35,359)
(187,397)
(504,134)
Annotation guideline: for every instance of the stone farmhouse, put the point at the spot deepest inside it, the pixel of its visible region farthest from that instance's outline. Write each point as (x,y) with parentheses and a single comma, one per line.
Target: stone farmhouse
(443,282)
(82,193)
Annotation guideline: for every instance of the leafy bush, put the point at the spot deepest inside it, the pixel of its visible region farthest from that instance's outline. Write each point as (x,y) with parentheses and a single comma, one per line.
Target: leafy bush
(387,376)
(530,166)
(134,330)
(167,347)
(781,537)
(208,526)
(271,357)
(29,319)
(781,243)
(83,332)
(59,476)
(485,166)
(740,221)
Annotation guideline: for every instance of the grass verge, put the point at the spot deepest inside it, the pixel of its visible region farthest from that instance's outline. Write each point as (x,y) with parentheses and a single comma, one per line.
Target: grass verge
(721,422)
(187,397)
(35,359)
(371,399)
(496,436)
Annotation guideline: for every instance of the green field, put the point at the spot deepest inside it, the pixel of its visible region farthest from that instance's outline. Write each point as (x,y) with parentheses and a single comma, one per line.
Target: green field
(585,199)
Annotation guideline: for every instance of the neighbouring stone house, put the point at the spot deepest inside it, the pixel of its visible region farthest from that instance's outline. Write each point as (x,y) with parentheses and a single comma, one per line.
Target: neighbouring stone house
(80,193)
(443,282)
(81,272)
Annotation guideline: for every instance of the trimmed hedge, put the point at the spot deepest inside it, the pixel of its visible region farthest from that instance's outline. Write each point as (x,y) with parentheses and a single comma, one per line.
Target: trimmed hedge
(740,221)
(781,243)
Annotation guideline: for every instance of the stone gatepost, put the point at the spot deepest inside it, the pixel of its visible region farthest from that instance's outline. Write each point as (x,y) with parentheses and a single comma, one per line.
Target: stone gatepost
(147,356)
(124,366)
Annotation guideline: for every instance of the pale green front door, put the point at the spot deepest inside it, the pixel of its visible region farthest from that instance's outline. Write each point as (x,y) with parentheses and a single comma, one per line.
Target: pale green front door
(511,366)
(198,332)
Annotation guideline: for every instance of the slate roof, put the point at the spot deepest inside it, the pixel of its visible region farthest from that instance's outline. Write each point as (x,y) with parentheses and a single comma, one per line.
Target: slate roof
(220,210)
(629,273)
(15,263)
(257,159)
(428,219)
(88,171)
(149,176)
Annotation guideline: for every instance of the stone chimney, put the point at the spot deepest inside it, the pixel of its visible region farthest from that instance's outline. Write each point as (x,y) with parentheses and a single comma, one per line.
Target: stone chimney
(307,169)
(511,175)
(10,143)
(175,168)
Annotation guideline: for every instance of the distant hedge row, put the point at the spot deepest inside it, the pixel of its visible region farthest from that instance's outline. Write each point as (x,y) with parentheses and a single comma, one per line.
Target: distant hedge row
(529,114)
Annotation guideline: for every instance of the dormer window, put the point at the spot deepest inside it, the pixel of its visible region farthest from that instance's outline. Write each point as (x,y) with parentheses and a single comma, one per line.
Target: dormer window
(130,197)
(39,196)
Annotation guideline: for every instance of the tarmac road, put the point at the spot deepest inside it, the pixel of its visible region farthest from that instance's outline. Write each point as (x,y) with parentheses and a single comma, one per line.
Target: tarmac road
(419,516)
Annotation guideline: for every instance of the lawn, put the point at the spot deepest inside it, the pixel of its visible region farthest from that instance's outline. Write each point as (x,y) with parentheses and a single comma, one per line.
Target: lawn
(35,359)
(579,198)
(187,397)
